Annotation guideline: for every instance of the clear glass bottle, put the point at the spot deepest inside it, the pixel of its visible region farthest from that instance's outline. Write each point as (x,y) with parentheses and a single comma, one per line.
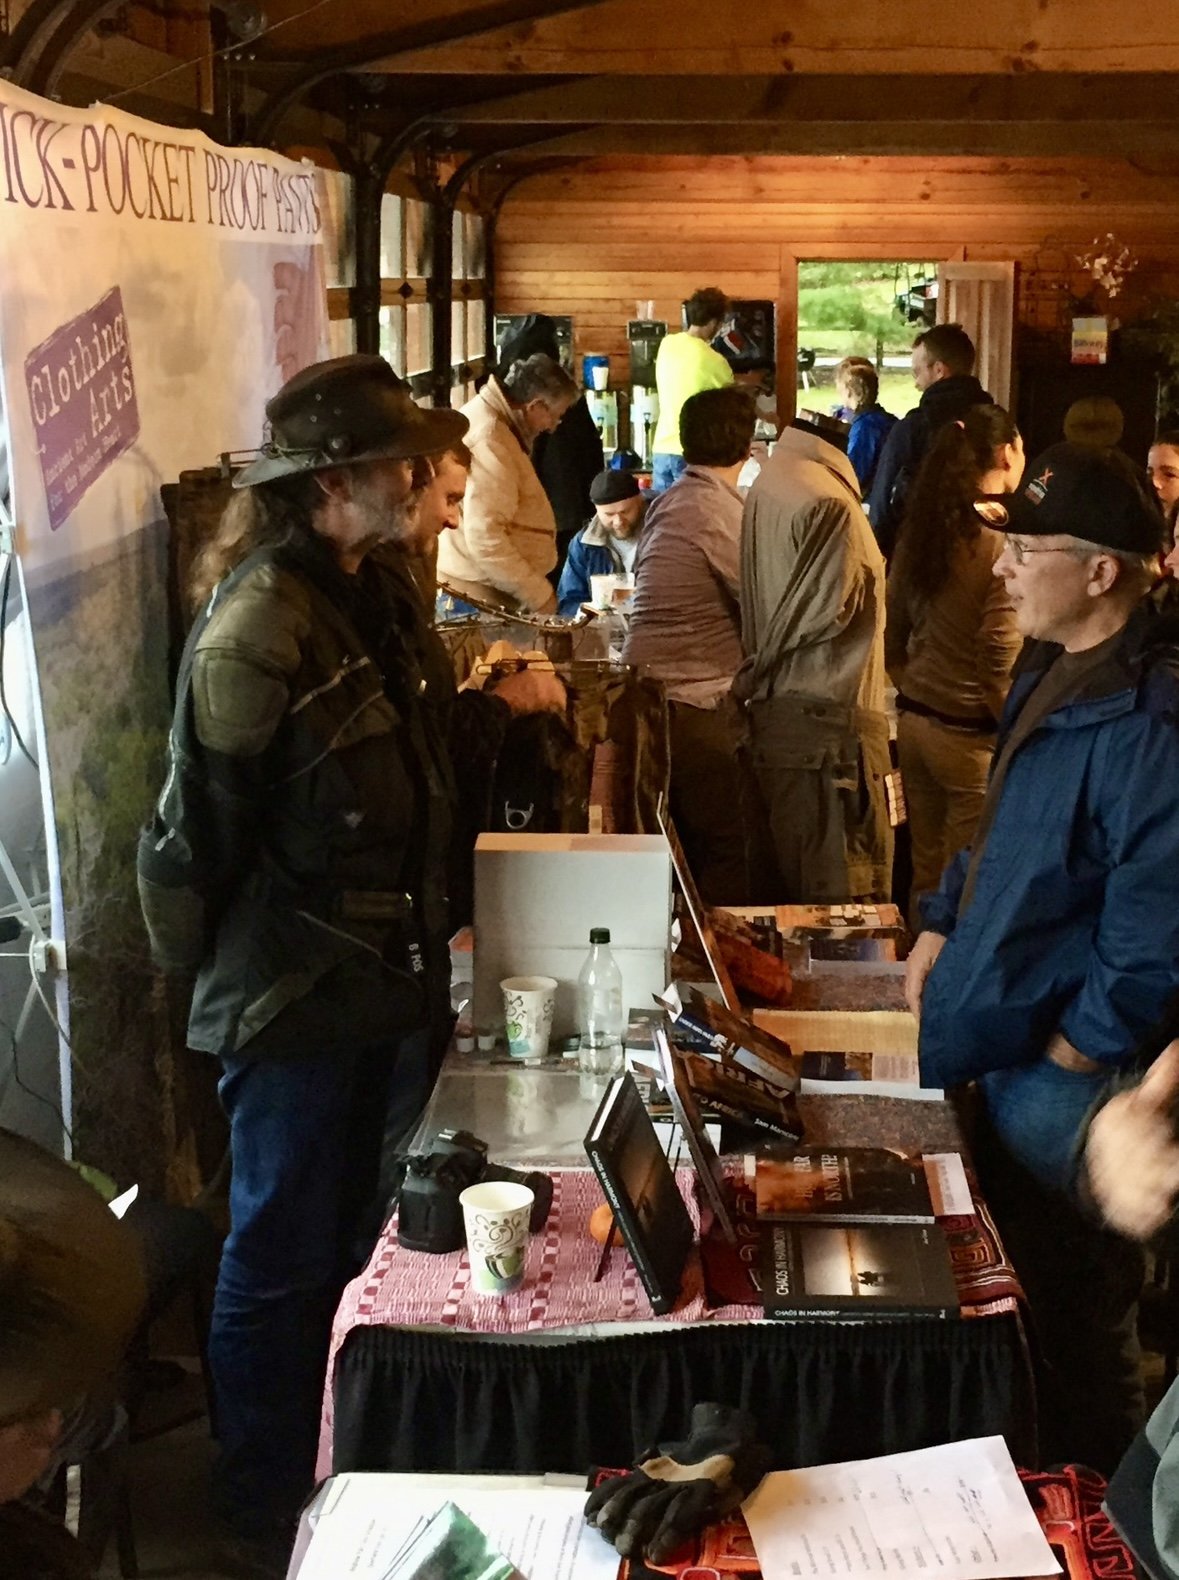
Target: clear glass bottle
(600,1020)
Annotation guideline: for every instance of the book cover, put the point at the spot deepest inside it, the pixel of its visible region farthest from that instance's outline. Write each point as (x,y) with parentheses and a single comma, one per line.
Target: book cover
(705,1158)
(698,912)
(738,1094)
(862,1270)
(842,1185)
(735,1036)
(624,1152)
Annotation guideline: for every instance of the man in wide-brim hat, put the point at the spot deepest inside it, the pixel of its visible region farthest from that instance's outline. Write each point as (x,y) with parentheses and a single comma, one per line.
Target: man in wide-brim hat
(297,866)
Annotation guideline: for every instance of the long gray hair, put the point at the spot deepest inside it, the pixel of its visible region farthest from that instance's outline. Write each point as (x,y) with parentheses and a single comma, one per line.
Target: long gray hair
(254,517)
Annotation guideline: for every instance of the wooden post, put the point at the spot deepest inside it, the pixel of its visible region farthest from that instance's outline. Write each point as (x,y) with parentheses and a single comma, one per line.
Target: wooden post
(368,190)
(441,293)
(786,376)
(490,225)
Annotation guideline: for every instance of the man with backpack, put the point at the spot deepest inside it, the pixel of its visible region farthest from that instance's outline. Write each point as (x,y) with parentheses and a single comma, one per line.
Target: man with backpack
(943,370)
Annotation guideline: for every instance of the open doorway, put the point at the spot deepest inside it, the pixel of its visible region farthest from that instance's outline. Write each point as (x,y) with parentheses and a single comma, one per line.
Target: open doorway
(862,309)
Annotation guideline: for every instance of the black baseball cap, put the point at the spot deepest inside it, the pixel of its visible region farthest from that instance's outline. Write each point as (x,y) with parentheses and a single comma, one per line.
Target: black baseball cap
(346,410)
(1075,491)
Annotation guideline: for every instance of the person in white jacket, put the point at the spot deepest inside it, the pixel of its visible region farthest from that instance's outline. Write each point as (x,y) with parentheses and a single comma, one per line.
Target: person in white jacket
(506,543)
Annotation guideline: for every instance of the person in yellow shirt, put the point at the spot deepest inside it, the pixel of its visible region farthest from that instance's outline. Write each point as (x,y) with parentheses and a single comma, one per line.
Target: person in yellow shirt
(684,365)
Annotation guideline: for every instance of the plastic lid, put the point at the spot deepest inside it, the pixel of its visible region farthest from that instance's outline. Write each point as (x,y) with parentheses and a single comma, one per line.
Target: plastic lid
(599,935)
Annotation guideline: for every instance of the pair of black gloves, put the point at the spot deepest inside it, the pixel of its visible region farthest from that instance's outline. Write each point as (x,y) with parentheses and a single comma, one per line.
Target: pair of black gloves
(676,1489)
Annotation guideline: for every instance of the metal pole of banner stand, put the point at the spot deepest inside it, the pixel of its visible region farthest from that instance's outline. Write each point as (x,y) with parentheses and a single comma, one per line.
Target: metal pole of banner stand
(33,911)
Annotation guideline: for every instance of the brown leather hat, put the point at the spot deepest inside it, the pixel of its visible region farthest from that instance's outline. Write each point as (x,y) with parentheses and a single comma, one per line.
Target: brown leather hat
(71,1282)
(346,410)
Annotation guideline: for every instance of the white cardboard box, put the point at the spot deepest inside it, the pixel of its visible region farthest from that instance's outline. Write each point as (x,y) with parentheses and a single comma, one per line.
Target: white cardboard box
(538,895)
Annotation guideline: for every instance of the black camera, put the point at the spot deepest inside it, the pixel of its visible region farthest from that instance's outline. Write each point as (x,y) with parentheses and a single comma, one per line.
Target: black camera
(431,1218)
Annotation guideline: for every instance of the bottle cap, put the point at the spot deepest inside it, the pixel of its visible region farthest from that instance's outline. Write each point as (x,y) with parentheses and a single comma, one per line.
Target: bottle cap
(599,935)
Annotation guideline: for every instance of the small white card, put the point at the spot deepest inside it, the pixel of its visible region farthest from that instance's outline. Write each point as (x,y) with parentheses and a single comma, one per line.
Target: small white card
(948,1185)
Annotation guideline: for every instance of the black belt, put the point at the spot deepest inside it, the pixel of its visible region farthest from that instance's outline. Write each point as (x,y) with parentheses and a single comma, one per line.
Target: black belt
(975,726)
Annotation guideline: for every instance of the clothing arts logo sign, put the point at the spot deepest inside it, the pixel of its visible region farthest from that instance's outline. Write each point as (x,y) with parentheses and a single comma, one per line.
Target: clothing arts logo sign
(82,394)
(80,380)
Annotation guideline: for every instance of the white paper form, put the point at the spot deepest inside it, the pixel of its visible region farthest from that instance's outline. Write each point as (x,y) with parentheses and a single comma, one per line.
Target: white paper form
(957,1512)
(540,1528)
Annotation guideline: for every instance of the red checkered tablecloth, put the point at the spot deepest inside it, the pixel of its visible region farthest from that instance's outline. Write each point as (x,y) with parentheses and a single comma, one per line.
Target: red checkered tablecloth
(413,1289)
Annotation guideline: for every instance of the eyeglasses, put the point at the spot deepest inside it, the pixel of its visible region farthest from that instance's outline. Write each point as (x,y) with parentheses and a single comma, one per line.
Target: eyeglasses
(1020,550)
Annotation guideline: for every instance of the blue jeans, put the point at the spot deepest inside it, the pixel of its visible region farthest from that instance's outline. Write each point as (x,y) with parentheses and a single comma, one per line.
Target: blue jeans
(664,471)
(307,1131)
(1037,1111)
(1081,1280)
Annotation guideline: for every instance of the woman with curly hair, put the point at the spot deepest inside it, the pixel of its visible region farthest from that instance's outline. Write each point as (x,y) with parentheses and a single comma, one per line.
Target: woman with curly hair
(951,637)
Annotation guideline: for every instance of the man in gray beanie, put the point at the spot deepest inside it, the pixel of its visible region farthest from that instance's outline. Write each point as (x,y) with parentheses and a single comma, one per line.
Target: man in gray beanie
(1052,945)
(608,543)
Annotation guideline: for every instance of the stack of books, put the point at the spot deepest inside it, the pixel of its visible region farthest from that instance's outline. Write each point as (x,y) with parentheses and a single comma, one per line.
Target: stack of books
(850,1232)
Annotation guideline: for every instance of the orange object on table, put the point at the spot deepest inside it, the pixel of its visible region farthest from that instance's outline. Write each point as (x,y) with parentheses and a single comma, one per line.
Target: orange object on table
(599,1225)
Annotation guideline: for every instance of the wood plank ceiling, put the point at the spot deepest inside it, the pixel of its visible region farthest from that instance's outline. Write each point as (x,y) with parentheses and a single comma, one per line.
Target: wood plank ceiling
(545,80)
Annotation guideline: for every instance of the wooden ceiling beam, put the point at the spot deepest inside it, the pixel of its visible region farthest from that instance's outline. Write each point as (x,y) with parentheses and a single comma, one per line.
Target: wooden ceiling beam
(676,101)
(360,53)
(1137,141)
(651,38)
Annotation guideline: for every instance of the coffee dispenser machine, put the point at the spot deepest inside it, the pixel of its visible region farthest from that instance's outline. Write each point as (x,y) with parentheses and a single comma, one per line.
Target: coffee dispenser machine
(644,414)
(643,336)
(601,400)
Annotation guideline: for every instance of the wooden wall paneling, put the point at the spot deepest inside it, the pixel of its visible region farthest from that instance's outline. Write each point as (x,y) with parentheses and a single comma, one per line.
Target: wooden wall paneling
(786,372)
(593,241)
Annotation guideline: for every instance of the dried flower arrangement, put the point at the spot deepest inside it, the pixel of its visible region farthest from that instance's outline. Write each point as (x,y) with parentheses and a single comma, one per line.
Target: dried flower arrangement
(1108,263)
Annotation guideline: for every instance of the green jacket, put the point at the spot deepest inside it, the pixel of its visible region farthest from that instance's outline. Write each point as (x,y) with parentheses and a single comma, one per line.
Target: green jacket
(298,853)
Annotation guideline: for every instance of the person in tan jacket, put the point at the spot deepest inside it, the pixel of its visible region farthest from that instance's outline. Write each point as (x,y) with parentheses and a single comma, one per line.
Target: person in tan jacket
(812,686)
(951,636)
(506,544)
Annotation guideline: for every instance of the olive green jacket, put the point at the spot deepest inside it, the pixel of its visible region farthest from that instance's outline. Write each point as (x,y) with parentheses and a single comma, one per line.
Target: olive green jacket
(297,857)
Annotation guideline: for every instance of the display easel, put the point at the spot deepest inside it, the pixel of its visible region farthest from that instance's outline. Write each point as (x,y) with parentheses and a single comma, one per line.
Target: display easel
(30,910)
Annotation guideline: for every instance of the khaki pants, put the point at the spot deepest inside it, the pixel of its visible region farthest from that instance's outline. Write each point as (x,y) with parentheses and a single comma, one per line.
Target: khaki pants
(944,772)
(821,770)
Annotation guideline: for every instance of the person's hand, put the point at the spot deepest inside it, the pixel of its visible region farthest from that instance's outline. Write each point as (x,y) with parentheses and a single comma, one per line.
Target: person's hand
(918,966)
(532,690)
(679,1488)
(1132,1152)
(1061,1052)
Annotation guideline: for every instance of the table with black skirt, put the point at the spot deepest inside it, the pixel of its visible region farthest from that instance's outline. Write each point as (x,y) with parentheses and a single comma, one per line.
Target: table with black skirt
(565,1373)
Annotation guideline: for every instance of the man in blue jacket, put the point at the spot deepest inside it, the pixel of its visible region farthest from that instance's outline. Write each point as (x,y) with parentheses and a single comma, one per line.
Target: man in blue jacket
(1052,944)
(943,370)
(607,544)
